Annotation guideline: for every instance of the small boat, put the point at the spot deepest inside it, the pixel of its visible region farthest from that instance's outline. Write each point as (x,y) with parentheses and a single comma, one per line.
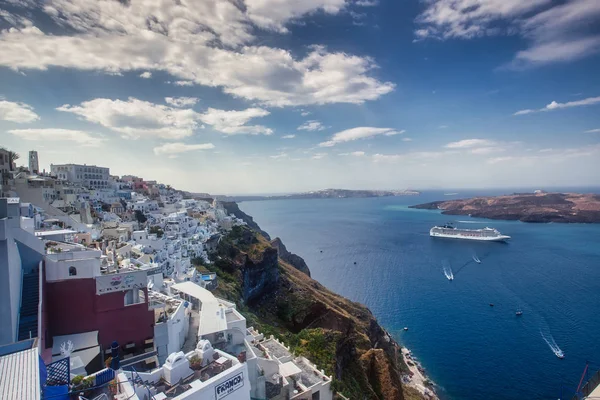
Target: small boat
(477,260)
(354,262)
(321,251)
(491,304)
(519,312)
(405,328)
(559,353)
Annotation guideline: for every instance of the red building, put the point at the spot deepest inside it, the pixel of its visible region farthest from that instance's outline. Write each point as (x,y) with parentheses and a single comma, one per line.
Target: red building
(81,296)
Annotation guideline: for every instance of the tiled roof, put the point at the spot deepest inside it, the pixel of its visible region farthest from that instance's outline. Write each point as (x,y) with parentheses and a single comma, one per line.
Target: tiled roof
(20,376)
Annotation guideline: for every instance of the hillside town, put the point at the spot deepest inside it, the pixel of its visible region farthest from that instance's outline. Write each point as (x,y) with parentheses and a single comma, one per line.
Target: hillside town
(103,296)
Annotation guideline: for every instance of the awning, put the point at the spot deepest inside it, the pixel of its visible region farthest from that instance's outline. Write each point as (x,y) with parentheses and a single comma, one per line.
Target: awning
(212,319)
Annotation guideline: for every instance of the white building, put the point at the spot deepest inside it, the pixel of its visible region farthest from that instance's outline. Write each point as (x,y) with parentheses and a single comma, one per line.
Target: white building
(87,175)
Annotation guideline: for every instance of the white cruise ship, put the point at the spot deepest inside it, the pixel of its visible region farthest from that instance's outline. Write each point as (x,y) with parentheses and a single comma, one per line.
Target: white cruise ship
(484,235)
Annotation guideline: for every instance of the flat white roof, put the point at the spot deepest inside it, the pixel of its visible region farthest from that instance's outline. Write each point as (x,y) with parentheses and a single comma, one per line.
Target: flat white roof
(20,375)
(212,318)
(288,369)
(196,291)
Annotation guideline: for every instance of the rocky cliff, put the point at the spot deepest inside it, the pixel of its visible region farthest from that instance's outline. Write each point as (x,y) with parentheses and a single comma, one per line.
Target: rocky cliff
(526,207)
(340,336)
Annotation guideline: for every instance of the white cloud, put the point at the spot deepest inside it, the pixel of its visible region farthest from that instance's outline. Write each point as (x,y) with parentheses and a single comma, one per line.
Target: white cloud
(524,112)
(358,133)
(146,75)
(279,156)
(178,148)
(183,83)
(181,101)
(305,113)
(407,139)
(367,3)
(442,126)
(354,153)
(17,112)
(467,18)
(470,143)
(137,118)
(557,33)
(63,135)
(234,122)
(274,14)
(312,125)
(288,136)
(557,106)
(593,131)
(318,156)
(207,44)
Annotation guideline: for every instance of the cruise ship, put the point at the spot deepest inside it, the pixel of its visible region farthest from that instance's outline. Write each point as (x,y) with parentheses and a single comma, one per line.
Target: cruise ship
(484,235)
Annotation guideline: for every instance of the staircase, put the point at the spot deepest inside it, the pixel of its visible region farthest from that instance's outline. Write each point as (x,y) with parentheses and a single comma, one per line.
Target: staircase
(30,298)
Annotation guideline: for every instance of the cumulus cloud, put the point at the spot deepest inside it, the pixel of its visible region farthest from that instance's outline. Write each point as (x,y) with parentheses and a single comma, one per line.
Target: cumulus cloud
(312,125)
(209,43)
(288,136)
(354,153)
(557,106)
(146,75)
(279,156)
(183,83)
(274,14)
(234,122)
(181,101)
(171,149)
(367,3)
(470,143)
(81,138)
(416,156)
(349,135)
(305,113)
(318,156)
(17,112)
(137,118)
(556,34)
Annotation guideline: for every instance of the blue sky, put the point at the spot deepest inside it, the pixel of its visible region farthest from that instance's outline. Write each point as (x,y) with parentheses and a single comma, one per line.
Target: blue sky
(279,95)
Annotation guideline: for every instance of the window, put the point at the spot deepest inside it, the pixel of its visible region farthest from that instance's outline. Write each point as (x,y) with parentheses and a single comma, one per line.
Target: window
(72,271)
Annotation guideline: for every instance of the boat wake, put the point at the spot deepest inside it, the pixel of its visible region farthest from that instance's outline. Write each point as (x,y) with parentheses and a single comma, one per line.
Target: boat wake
(448,273)
(477,260)
(472,222)
(553,346)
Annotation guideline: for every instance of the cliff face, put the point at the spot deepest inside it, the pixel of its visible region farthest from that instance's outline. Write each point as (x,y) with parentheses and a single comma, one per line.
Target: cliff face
(293,259)
(340,336)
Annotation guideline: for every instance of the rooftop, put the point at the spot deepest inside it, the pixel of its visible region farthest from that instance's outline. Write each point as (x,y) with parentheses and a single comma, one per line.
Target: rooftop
(20,375)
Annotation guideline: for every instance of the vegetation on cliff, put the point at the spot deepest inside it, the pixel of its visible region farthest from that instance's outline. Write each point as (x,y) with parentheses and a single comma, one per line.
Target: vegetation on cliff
(342,337)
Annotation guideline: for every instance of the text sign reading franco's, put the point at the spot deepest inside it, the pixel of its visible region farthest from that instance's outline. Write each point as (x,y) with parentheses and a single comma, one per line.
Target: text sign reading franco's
(119,282)
(227,387)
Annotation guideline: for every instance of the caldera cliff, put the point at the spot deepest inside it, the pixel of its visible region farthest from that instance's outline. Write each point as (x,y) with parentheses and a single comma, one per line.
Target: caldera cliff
(273,289)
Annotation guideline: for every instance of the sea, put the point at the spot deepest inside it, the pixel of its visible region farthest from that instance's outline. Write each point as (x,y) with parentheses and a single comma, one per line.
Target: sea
(377,251)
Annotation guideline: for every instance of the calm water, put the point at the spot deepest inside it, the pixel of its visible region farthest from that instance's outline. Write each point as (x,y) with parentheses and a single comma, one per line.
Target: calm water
(471,350)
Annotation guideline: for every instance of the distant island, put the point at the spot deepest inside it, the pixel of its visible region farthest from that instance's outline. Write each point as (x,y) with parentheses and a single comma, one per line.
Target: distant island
(324,194)
(526,207)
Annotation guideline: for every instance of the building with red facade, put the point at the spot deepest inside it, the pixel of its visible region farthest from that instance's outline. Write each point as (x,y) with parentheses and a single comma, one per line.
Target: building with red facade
(82,295)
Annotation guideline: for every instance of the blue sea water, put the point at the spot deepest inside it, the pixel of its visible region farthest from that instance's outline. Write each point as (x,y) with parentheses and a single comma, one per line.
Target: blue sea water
(471,350)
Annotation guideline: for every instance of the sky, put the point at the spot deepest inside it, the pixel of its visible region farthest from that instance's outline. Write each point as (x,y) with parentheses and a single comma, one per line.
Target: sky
(275,96)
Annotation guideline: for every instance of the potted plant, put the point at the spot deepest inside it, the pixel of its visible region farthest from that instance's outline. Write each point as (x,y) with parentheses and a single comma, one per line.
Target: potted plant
(195,363)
